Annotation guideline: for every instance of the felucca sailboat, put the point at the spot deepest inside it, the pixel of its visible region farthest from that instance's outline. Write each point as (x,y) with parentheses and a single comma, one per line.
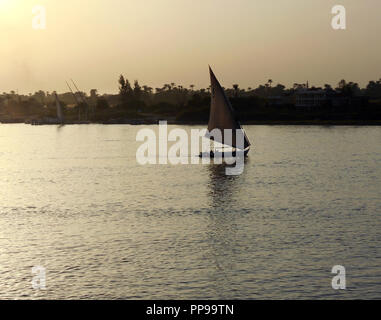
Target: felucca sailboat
(60,116)
(222,118)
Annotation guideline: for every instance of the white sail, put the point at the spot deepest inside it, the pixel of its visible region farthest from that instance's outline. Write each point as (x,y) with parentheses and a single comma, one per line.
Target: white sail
(60,116)
(222,115)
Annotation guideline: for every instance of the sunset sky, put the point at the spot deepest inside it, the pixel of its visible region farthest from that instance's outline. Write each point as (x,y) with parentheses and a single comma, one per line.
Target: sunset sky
(164,41)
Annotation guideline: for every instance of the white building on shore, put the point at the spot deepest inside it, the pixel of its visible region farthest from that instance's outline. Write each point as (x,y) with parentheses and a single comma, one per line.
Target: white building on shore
(310,98)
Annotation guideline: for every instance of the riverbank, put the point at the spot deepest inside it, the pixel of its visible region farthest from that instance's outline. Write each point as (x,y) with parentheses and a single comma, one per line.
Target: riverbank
(316,122)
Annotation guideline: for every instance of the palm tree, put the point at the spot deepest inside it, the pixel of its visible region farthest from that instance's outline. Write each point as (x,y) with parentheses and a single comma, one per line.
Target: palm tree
(327,87)
(270,82)
(342,84)
(236,88)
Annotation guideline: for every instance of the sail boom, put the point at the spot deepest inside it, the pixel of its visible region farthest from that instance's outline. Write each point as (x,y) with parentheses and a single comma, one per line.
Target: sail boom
(228,142)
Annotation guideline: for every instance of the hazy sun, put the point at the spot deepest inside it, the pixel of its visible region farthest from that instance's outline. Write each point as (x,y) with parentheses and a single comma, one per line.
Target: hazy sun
(5,4)
(8,7)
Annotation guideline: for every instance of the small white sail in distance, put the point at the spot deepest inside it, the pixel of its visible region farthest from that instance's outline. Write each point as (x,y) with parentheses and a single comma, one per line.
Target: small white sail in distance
(222,115)
(60,116)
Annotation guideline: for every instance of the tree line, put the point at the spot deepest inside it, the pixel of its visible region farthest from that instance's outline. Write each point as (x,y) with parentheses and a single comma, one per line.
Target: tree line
(188,104)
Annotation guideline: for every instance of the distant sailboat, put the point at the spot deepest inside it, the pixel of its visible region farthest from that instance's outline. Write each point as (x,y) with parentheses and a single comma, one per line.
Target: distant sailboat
(222,117)
(60,116)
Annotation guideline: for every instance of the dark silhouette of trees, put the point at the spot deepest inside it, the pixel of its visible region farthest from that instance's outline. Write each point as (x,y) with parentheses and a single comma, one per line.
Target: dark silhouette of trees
(137,90)
(373,89)
(349,89)
(125,91)
(102,104)
(270,101)
(236,90)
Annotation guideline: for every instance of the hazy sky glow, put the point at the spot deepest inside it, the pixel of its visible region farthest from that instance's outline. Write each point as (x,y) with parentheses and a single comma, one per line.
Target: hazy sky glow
(163,41)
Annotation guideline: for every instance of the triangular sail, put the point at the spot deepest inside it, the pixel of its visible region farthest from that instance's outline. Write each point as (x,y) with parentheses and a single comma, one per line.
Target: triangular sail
(222,114)
(59,110)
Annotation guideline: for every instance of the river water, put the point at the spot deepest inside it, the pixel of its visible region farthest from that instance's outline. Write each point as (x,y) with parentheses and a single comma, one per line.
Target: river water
(74,200)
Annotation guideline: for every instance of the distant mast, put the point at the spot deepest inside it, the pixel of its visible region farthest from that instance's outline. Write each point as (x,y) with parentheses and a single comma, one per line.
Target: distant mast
(222,114)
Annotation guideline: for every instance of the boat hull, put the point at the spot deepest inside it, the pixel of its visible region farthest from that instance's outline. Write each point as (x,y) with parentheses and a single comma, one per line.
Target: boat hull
(219,154)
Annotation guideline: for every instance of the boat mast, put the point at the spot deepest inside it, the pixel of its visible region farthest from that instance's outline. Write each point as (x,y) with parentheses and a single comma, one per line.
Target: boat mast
(76,100)
(83,99)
